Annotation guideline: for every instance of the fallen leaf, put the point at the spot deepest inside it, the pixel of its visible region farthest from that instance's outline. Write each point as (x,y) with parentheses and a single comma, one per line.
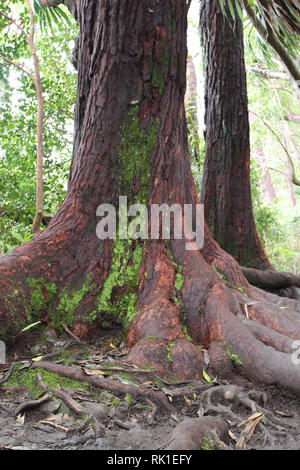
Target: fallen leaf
(187,401)
(175,418)
(38,358)
(206,376)
(248,431)
(20,419)
(286,414)
(94,372)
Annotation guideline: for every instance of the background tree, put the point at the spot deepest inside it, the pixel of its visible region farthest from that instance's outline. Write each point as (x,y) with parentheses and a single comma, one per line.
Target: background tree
(226,190)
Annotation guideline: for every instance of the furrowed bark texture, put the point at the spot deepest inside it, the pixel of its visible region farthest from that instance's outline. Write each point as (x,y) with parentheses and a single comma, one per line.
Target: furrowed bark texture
(130,140)
(226,189)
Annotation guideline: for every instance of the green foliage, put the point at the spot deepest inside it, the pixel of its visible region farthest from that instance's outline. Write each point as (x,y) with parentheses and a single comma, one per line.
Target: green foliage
(28,327)
(232,357)
(206,443)
(49,17)
(233,7)
(18,110)
(115,402)
(128,398)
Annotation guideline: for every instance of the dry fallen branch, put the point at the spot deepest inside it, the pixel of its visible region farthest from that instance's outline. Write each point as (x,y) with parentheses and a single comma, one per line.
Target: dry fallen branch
(80,410)
(8,375)
(67,330)
(248,430)
(57,426)
(139,393)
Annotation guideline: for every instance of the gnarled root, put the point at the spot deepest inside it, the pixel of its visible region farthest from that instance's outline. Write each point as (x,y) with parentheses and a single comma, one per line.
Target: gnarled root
(244,329)
(199,433)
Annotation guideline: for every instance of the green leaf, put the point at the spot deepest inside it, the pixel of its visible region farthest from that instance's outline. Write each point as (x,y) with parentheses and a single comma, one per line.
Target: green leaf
(222,5)
(239,10)
(38,358)
(206,376)
(18,237)
(231,9)
(30,326)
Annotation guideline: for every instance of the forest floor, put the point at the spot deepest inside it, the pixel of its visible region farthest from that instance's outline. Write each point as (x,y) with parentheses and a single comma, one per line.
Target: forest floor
(258,417)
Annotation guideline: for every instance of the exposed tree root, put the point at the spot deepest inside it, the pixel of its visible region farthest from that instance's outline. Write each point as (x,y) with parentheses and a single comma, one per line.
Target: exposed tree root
(31,404)
(237,395)
(199,433)
(270,279)
(243,327)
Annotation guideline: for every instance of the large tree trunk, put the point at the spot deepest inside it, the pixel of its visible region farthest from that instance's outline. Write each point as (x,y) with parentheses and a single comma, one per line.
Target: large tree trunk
(226,191)
(131,140)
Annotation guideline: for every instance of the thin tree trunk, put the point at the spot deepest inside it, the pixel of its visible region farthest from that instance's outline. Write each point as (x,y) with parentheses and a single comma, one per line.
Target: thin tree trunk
(191,91)
(289,170)
(40,125)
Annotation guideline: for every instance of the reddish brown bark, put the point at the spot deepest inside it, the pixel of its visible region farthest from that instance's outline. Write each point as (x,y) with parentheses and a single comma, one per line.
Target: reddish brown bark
(226,191)
(131,77)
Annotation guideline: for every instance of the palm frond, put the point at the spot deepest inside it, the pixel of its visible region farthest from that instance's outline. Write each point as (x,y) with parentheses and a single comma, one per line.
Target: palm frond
(281,14)
(47,17)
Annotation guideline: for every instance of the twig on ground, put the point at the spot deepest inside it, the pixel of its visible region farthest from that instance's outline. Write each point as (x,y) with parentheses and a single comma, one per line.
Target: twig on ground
(78,340)
(80,410)
(9,374)
(57,426)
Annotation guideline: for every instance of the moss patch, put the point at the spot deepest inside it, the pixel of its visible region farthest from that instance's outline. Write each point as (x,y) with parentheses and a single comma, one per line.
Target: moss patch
(206,443)
(134,156)
(123,276)
(28,379)
(69,300)
(41,297)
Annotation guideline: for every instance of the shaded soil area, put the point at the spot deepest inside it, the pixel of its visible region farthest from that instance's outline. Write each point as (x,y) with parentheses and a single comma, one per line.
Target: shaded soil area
(42,410)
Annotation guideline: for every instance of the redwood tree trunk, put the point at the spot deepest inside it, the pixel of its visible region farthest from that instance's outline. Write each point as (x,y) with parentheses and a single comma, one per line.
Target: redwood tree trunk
(131,141)
(226,190)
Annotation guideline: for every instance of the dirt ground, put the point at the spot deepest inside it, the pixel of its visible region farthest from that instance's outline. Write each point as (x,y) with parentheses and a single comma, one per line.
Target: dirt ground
(257,417)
